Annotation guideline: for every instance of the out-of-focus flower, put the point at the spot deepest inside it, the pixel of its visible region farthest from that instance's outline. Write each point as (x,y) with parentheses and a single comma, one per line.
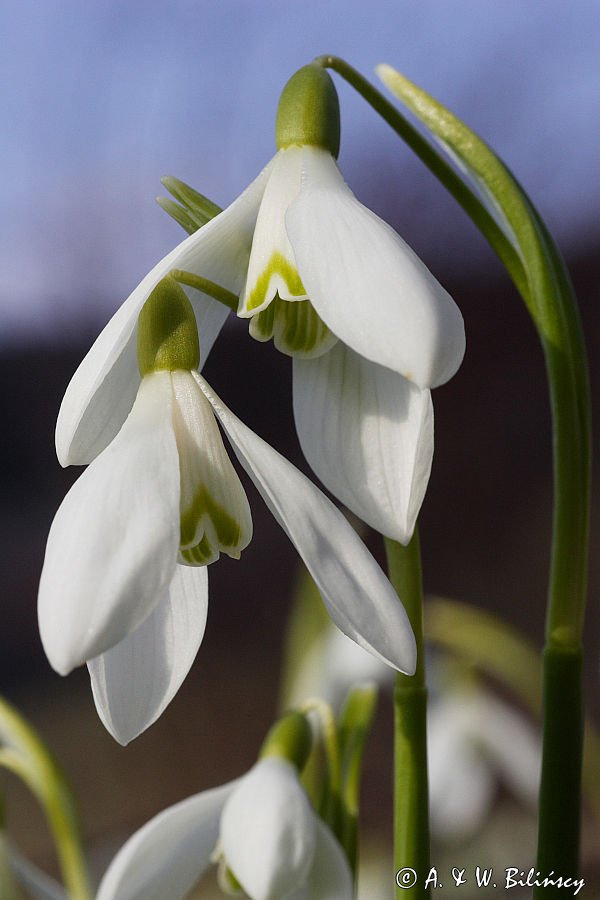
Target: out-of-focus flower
(476,741)
(264,830)
(124,585)
(331,667)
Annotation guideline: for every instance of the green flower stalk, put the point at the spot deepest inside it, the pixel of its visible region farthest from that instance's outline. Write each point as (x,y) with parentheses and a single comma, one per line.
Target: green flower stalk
(513,227)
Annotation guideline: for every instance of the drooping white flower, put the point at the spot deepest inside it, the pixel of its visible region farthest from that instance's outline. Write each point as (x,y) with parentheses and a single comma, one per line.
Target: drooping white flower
(124,584)
(370,329)
(271,839)
(476,741)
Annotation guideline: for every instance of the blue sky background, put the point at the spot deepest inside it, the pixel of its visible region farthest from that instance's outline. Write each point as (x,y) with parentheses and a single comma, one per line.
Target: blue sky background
(100,98)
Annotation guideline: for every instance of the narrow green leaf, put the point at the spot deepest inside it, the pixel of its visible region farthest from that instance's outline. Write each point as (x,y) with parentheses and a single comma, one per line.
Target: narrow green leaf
(181,215)
(23,752)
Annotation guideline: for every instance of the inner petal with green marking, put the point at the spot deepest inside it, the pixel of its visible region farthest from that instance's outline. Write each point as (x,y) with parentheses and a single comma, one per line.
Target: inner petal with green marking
(272,266)
(280,276)
(296,328)
(215,515)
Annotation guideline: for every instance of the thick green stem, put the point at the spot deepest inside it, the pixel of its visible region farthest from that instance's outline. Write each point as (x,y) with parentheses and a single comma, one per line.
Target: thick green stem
(558,849)
(411,795)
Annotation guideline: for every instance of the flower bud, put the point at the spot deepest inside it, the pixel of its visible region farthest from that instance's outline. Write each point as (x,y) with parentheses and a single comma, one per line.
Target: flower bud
(167,331)
(309,111)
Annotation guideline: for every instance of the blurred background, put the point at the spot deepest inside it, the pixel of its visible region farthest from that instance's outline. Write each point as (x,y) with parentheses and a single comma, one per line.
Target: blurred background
(99,100)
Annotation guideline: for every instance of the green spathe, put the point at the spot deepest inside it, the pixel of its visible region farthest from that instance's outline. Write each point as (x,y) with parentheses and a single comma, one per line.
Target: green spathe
(167,331)
(290,738)
(309,111)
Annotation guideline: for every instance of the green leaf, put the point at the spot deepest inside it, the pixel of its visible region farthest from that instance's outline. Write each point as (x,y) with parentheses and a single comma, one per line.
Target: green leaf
(24,754)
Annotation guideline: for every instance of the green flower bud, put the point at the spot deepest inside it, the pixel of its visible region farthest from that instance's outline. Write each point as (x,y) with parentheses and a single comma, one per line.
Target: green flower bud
(167,331)
(289,738)
(309,111)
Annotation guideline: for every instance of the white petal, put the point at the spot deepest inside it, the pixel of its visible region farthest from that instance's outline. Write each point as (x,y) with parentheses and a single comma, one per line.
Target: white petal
(103,388)
(268,831)
(358,596)
(368,435)
(461,786)
(367,284)
(213,501)
(330,877)
(166,857)
(511,744)
(272,267)
(135,681)
(112,547)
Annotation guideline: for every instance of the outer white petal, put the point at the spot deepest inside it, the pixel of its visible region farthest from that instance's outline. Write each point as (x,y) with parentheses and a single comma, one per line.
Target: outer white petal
(135,681)
(268,831)
(272,266)
(166,857)
(330,877)
(368,435)
(103,388)
(367,284)
(358,596)
(112,547)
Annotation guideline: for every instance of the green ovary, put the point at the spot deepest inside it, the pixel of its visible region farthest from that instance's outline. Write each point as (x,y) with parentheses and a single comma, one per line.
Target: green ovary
(277,265)
(295,327)
(222,530)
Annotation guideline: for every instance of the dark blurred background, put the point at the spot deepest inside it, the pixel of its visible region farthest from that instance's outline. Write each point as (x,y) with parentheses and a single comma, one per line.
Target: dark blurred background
(100,99)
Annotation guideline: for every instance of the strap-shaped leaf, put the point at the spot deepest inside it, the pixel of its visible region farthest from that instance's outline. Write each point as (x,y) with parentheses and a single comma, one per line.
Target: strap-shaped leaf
(23,753)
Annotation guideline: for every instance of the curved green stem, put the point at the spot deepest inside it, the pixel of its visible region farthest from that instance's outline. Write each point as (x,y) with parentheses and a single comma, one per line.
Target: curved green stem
(432,159)
(515,231)
(206,287)
(411,795)
(25,755)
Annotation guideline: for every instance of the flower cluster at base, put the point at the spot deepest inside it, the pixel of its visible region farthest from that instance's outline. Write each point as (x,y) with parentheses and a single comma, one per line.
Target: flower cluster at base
(124,585)
(370,329)
(261,829)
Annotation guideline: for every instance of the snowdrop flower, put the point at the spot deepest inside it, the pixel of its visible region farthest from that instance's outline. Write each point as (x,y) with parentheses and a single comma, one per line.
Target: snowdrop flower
(124,585)
(474,742)
(262,829)
(370,329)
(272,841)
